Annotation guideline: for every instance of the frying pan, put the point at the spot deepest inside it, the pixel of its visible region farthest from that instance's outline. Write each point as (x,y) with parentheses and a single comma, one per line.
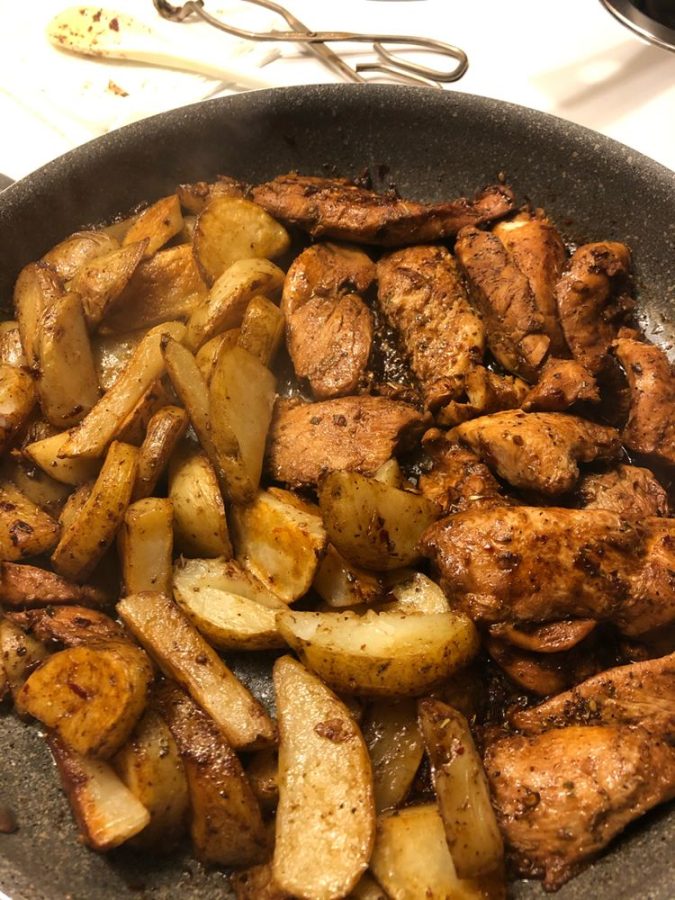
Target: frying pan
(432,146)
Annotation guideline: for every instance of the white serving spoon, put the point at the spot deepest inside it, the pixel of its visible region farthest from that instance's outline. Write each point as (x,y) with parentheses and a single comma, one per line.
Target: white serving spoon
(105,34)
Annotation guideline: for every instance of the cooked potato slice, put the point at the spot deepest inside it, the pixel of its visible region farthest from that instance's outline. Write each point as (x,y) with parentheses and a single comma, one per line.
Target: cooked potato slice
(134,428)
(36,288)
(66,257)
(200,525)
(229,296)
(11,348)
(262,329)
(151,767)
(257,883)
(101,280)
(158,224)
(67,386)
(165,287)
(183,654)
(112,353)
(25,530)
(23,586)
(145,543)
(17,399)
(20,653)
(68,625)
(225,821)
(279,543)
(390,473)
(91,695)
(39,488)
(263,775)
(228,605)
(207,355)
(372,524)
(106,811)
(381,654)
(165,428)
(46,454)
(93,434)
(416,593)
(325,823)
(86,538)
(396,749)
(462,791)
(367,889)
(341,585)
(74,505)
(230,229)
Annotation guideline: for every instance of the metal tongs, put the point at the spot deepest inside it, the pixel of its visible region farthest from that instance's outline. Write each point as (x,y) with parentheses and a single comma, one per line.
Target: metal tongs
(387,62)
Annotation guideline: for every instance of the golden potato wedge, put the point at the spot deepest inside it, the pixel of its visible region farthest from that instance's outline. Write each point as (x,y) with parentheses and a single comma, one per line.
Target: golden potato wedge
(145,545)
(17,399)
(229,296)
(390,473)
(372,524)
(36,288)
(157,224)
(25,587)
(25,530)
(46,454)
(150,765)
(183,654)
(279,543)
(262,329)
(43,491)
(462,790)
(67,386)
(396,749)
(227,604)
(134,428)
(101,280)
(11,348)
(263,775)
(230,229)
(381,654)
(164,288)
(73,507)
(195,196)
(68,625)
(225,821)
(207,355)
(200,525)
(20,654)
(341,585)
(93,434)
(92,695)
(66,257)
(257,883)
(367,889)
(112,353)
(165,429)
(414,592)
(325,823)
(106,811)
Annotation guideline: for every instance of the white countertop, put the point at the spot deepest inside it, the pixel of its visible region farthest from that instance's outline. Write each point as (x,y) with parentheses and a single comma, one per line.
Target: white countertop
(569,58)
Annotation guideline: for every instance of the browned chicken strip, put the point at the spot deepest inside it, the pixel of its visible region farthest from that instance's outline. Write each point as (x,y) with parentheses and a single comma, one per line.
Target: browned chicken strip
(514,326)
(424,301)
(651,423)
(531,564)
(353,433)
(536,247)
(538,451)
(562,383)
(593,301)
(485,392)
(68,625)
(336,208)
(326,270)
(631,491)
(642,693)
(561,796)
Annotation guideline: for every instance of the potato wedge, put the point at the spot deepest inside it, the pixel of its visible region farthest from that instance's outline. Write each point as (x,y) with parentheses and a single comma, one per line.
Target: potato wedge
(68,625)
(227,605)
(90,438)
(157,224)
(200,525)
(367,889)
(279,543)
(341,585)
(225,822)
(25,530)
(415,593)
(46,454)
(257,883)
(263,775)
(39,488)
(20,654)
(165,428)
(325,789)
(69,255)
(134,428)
(390,473)
(74,505)
(381,654)
(92,696)
(101,280)
(229,296)
(85,540)
(150,765)
(11,348)
(207,355)
(17,399)
(262,329)
(396,749)
(230,229)
(106,811)
(183,654)
(23,586)
(67,386)
(112,353)
(36,288)
(145,545)
(462,790)
(372,524)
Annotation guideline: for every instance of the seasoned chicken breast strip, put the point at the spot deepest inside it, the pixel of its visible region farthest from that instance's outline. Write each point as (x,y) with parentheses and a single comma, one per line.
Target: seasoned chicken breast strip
(631,491)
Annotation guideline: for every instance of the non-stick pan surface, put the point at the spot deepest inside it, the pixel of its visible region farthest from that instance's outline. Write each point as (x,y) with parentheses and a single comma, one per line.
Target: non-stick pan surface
(432,146)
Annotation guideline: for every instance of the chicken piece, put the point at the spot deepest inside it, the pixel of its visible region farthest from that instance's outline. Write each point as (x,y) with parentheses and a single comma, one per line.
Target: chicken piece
(514,326)
(561,796)
(68,625)
(642,693)
(538,451)
(535,246)
(593,301)
(336,208)
(326,270)
(424,301)
(354,433)
(551,637)
(631,491)
(531,564)
(486,392)
(562,383)
(457,479)
(651,423)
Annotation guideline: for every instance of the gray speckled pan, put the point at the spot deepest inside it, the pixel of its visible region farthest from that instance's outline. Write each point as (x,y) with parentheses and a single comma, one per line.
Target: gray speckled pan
(435,146)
